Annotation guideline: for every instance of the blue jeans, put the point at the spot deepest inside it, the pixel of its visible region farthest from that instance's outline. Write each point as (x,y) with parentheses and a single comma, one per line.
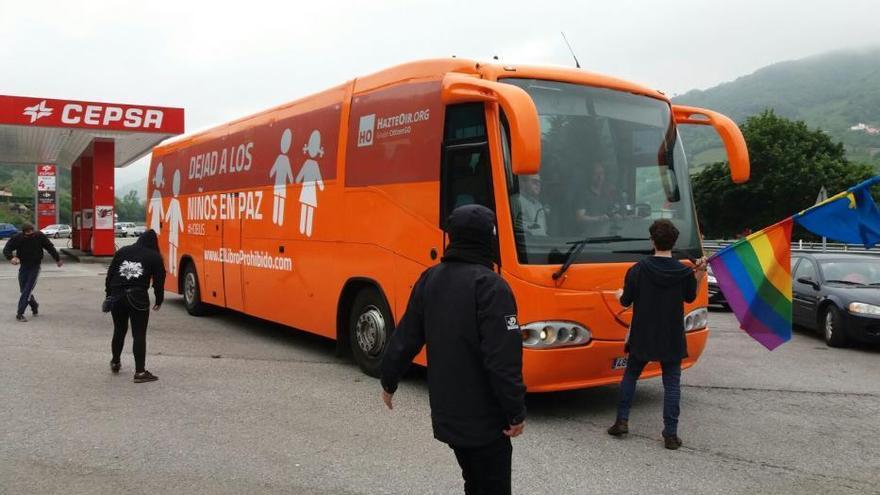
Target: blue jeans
(27,280)
(671,392)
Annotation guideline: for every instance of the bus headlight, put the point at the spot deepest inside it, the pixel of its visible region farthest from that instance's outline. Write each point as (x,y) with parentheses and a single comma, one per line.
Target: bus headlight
(697,319)
(552,334)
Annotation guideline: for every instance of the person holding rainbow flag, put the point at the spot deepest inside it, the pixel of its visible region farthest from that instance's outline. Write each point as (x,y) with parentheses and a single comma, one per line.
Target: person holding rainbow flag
(657,287)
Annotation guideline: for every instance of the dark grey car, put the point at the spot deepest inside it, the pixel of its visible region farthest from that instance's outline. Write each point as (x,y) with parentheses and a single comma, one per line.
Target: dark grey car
(838,295)
(716,297)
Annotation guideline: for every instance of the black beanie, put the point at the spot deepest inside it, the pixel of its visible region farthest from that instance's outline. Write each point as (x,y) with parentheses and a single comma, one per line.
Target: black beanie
(474,223)
(472,236)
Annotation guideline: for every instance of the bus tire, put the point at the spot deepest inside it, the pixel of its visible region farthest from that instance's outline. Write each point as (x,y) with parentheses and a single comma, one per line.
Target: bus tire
(192,294)
(370,327)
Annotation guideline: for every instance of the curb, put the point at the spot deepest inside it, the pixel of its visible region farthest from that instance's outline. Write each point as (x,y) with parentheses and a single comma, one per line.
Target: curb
(83,257)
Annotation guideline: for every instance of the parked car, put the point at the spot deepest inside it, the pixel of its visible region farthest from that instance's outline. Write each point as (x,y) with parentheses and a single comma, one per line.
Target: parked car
(124,229)
(57,230)
(7,230)
(837,295)
(715,295)
(140,229)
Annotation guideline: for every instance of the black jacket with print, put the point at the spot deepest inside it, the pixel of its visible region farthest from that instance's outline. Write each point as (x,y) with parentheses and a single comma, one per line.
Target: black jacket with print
(136,266)
(465,314)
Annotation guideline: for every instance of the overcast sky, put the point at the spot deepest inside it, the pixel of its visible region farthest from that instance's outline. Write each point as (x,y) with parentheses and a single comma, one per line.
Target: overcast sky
(222,60)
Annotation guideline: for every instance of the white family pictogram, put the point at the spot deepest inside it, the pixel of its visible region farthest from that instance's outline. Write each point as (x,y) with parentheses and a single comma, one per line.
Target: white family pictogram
(283,174)
(174,217)
(156,212)
(131,269)
(310,178)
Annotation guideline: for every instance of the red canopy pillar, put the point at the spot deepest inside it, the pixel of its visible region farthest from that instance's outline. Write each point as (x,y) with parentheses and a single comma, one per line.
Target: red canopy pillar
(86,202)
(103,235)
(75,212)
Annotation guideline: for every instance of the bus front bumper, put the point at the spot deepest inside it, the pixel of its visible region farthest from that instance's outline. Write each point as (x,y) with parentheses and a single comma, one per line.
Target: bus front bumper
(551,370)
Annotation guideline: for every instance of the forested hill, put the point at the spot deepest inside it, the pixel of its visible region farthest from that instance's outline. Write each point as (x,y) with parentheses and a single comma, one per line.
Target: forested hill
(834,92)
(20,181)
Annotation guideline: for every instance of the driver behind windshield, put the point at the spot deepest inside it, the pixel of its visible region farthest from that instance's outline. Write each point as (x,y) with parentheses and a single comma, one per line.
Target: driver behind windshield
(598,200)
(529,213)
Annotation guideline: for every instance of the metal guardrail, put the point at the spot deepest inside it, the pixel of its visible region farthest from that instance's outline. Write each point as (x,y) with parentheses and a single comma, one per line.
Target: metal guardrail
(805,247)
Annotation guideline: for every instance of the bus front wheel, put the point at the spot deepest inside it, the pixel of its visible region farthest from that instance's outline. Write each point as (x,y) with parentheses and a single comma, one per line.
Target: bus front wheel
(192,295)
(370,327)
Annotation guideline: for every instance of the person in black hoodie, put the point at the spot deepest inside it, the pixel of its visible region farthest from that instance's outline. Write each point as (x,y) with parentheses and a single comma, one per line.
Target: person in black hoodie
(657,287)
(128,278)
(26,250)
(466,315)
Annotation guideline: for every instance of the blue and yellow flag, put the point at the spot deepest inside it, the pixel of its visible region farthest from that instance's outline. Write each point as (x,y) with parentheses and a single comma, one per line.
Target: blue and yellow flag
(851,216)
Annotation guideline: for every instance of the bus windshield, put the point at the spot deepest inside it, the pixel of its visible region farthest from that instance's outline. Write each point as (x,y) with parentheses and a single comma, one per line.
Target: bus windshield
(611,163)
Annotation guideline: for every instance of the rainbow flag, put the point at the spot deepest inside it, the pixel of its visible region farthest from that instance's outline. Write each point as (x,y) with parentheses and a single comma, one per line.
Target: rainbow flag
(755,276)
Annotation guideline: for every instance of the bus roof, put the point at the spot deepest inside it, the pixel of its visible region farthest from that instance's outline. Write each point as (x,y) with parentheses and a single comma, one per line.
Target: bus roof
(431,69)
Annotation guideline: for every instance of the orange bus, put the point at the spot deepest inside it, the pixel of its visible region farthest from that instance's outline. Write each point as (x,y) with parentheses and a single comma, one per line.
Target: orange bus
(320,214)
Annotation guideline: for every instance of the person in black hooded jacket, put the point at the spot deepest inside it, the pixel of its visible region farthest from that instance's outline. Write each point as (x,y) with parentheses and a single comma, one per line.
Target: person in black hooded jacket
(465,314)
(657,287)
(129,276)
(26,250)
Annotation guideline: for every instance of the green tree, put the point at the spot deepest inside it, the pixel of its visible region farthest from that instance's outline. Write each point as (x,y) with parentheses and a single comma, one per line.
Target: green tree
(130,209)
(64,202)
(23,183)
(789,165)
(20,180)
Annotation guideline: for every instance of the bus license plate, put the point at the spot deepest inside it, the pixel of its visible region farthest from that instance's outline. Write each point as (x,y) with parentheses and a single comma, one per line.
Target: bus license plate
(619,363)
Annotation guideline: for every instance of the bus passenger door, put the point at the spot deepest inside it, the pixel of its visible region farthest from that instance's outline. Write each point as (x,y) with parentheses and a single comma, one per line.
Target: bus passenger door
(466,175)
(232,283)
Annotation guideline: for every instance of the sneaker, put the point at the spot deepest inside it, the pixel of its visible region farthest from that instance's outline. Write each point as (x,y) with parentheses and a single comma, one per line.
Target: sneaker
(115,366)
(21,318)
(671,442)
(619,428)
(145,376)
(35,307)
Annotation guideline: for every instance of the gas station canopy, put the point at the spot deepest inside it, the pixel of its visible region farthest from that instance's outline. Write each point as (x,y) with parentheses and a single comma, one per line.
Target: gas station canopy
(45,130)
(91,139)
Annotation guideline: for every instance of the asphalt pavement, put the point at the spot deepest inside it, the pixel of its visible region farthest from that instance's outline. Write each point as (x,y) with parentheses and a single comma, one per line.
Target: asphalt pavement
(246,406)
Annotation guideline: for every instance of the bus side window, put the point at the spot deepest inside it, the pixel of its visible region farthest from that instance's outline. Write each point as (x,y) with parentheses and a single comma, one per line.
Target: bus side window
(466,176)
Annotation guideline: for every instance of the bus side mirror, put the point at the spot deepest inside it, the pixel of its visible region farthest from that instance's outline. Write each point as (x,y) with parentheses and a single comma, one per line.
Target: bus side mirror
(522,116)
(737,152)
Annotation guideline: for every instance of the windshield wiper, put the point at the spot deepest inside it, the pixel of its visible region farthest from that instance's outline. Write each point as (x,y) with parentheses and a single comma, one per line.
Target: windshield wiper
(578,246)
(847,282)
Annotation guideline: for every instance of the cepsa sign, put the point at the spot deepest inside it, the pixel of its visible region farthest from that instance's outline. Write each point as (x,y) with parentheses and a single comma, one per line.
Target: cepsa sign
(44,112)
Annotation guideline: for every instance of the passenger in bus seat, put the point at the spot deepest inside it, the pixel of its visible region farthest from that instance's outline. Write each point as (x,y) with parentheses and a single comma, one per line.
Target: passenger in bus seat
(529,213)
(657,287)
(465,314)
